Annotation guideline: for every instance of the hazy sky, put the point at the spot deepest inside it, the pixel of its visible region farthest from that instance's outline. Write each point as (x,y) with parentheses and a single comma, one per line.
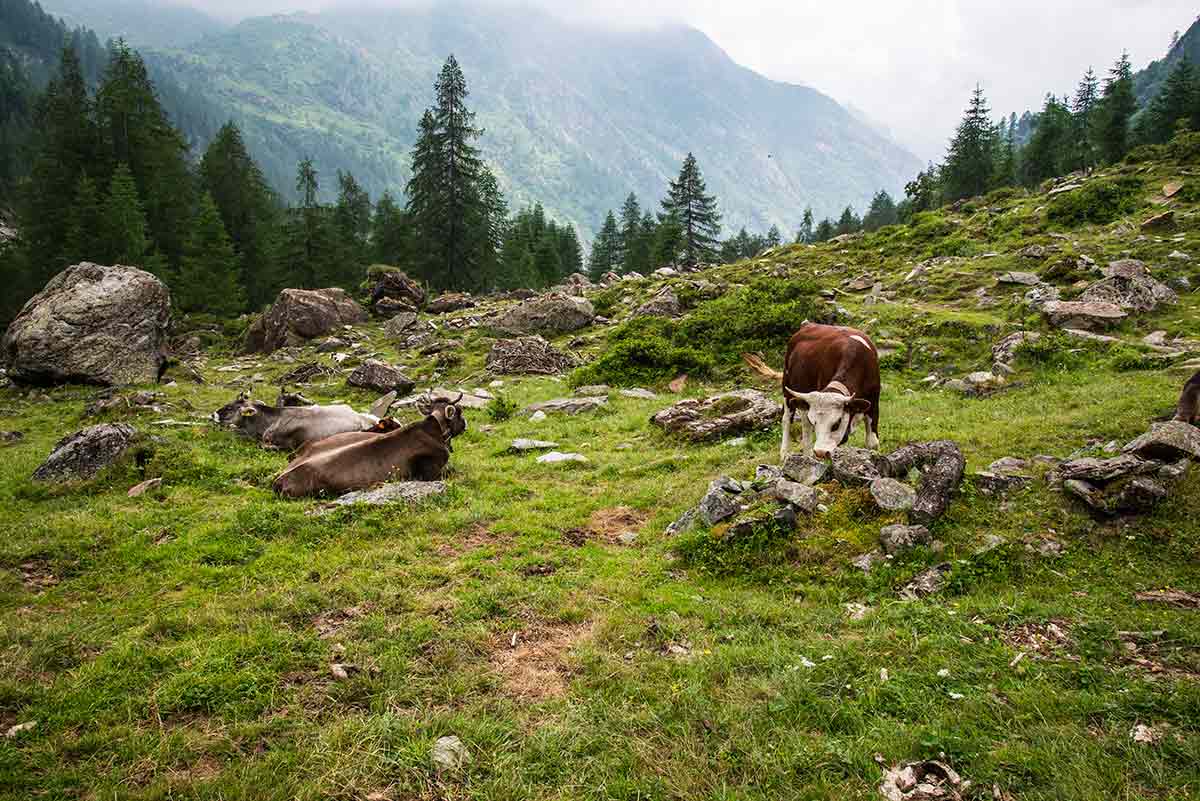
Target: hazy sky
(910,64)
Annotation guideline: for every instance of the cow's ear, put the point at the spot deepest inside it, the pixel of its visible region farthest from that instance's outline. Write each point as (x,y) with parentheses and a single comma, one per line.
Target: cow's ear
(452,411)
(858,406)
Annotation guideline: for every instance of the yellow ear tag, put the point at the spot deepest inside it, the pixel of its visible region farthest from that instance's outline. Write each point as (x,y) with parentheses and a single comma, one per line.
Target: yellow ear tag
(249,412)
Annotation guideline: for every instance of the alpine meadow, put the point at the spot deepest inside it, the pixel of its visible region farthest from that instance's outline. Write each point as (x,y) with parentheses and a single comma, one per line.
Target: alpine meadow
(482,400)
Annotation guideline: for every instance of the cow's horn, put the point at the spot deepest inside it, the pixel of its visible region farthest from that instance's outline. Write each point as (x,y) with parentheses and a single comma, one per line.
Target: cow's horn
(456,400)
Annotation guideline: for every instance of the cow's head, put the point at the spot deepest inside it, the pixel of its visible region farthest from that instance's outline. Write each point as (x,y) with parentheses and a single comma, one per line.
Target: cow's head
(830,414)
(448,413)
(229,414)
(385,425)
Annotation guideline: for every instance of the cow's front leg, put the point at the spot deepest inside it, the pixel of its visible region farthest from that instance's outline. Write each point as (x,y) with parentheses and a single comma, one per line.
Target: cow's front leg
(872,436)
(786,445)
(810,434)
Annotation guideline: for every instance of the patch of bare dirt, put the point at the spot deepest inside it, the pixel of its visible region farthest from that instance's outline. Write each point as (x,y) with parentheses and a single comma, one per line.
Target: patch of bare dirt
(37,576)
(477,535)
(328,624)
(607,525)
(202,770)
(532,662)
(1049,640)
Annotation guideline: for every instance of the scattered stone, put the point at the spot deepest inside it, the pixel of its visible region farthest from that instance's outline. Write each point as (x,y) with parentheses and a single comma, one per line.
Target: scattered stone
(990,483)
(554,313)
(1167,442)
(380,377)
(141,489)
(802,496)
(921,781)
(537,417)
(638,393)
(91,324)
(1024,279)
(1009,465)
(805,469)
(406,492)
(399,325)
(1128,285)
(898,538)
(767,474)
(20,728)
(720,502)
(1039,296)
(1037,252)
(1164,220)
(449,754)
(1179,598)
(1005,351)
(1179,255)
(719,416)
(1105,470)
(11,437)
(665,303)
(331,344)
(865,562)
(855,611)
(678,384)
(685,522)
(781,519)
(570,406)
(854,466)
(394,291)
(891,495)
(593,390)
(627,537)
(943,466)
(450,302)
(1145,735)
(85,453)
(532,445)
(927,582)
(528,355)
(555,457)
(1175,471)
(1084,315)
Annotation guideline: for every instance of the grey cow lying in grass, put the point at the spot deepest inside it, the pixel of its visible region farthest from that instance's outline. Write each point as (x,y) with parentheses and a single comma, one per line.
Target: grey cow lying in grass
(290,427)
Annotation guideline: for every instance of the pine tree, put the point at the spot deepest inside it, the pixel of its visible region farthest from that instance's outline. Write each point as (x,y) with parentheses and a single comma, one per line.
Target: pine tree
(774,237)
(309,249)
(208,279)
(635,246)
(124,239)
(1006,154)
(352,228)
(1115,111)
(570,254)
(695,212)
(881,213)
(804,236)
(968,167)
(1175,101)
(825,231)
(1083,110)
(249,211)
(86,223)
(1051,149)
(605,249)
(389,232)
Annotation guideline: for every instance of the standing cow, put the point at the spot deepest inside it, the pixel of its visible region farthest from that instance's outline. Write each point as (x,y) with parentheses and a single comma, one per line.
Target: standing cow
(831,377)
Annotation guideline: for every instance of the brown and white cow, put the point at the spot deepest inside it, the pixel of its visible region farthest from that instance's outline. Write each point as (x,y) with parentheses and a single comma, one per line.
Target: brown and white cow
(357,460)
(1188,410)
(831,377)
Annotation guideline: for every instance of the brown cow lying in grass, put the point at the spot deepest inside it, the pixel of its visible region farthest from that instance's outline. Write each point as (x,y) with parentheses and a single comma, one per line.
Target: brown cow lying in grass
(1188,410)
(356,460)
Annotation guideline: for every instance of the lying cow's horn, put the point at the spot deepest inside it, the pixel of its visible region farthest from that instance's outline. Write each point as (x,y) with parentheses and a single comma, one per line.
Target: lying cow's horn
(456,400)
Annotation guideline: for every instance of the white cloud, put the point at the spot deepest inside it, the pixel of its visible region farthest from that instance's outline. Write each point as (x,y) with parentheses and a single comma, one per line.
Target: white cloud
(909,64)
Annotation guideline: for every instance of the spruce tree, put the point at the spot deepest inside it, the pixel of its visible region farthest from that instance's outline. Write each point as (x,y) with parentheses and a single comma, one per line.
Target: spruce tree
(569,252)
(635,247)
(209,279)
(352,229)
(389,232)
(881,213)
(309,248)
(1115,112)
(249,211)
(86,223)
(1083,111)
(124,238)
(774,237)
(605,249)
(695,212)
(1175,101)
(968,168)
(804,235)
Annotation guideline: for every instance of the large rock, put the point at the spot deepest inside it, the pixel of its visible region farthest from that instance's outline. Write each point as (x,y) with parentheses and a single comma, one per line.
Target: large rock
(91,324)
(449,302)
(569,406)
(404,492)
(665,303)
(898,538)
(1124,497)
(1167,442)
(1083,314)
(380,377)
(552,313)
(298,315)
(526,355)
(720,502)
(854,467)
(1127,284)
(892,495)
(942,466)
(1016,277)
(400,325)
(394,291)
(719,416)
(1005,351)
(85,453)
(1102,471)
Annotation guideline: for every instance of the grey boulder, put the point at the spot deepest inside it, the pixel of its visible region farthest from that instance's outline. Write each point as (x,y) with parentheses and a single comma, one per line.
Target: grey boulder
(298,315)
(85,453)
(552,313)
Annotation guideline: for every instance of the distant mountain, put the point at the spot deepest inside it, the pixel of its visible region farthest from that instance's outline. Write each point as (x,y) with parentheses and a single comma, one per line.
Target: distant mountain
(143,23)
(575,116)
(1147,82)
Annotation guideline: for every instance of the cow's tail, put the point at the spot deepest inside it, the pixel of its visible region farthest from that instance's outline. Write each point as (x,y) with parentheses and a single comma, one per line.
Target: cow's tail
(759,366)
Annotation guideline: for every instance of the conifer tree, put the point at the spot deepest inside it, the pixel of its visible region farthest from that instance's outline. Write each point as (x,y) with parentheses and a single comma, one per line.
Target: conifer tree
(605,249)
(546,259)
(882,212)
(389,232)
(309,248)
(86,223)
(570,254)
(352,229)
(1175,101)
(968,167)
(1083,111)
(1051,149)
(125,237)
(1115,112)
(695,212)
(635,245)
(208,279)
(825,231)
(805,234)
(774,237)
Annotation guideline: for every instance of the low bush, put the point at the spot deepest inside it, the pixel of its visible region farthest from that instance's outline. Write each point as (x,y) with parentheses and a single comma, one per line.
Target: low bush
(720,552)
(1004,193)
(500,408)
(1185,147)
(1099,202)
(1144,153)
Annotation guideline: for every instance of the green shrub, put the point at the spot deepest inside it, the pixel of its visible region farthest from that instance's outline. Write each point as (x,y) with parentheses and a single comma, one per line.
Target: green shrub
(606,301)
(1144,153)
(759,317)
(720,552)
(927,226)
(1003,193)
(500,408)
(1100,202)
(1185,147)
(1065,269)
(1126,358)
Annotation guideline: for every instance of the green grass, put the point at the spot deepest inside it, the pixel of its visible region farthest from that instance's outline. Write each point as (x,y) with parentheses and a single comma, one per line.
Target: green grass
(170,646)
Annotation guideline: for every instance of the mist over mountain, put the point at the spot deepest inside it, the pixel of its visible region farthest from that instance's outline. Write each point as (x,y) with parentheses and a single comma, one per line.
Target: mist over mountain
(575,115)
(146,23)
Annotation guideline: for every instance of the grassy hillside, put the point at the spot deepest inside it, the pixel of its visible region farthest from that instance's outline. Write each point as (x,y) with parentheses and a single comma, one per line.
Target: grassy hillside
(179,644)
(575,116)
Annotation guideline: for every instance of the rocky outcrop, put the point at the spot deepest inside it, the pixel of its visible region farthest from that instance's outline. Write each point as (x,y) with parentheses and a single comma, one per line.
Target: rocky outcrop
(91,324)
(449,302)
(401,325)
(1128,285)
(719,416)
(85,453)
(393,292)
(1083,314)
(380,377)
(298,315)
(552,313)
(528,355)
(569,406)
(664,303)
(1167,442)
